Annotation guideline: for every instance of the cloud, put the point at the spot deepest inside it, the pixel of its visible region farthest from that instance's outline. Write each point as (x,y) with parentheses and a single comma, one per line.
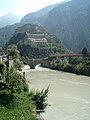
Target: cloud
(1,13)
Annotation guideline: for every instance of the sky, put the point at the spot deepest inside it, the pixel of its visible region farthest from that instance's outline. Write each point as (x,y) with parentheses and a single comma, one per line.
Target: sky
(23,7)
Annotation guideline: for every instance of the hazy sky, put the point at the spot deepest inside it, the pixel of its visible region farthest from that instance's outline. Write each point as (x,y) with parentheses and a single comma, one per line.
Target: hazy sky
(22,7)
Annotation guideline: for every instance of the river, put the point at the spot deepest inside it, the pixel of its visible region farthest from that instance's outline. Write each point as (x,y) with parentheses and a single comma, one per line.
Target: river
(69,94)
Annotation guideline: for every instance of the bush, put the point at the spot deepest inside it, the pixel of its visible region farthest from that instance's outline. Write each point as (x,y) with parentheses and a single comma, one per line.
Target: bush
(79,68)
(13,84)
(5,97)
(40,99)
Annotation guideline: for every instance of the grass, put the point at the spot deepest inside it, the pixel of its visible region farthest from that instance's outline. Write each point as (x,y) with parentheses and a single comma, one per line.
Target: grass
(20,109)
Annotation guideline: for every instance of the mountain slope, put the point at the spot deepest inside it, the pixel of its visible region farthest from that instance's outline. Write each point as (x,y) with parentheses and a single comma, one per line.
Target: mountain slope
(6,33)
(70,21)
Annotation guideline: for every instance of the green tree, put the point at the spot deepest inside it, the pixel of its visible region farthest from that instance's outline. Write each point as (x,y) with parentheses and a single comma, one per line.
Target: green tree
(84,52)
(18,64)
(79,68)
(13,52)
(15,81)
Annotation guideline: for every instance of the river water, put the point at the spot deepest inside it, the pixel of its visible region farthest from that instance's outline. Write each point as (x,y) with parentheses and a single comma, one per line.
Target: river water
(69,94)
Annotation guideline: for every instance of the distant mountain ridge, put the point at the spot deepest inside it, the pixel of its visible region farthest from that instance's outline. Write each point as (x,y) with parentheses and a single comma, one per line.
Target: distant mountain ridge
(9,19)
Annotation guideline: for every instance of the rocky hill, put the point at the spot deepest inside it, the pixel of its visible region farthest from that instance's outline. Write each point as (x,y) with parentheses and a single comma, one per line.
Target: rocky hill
(34,41)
